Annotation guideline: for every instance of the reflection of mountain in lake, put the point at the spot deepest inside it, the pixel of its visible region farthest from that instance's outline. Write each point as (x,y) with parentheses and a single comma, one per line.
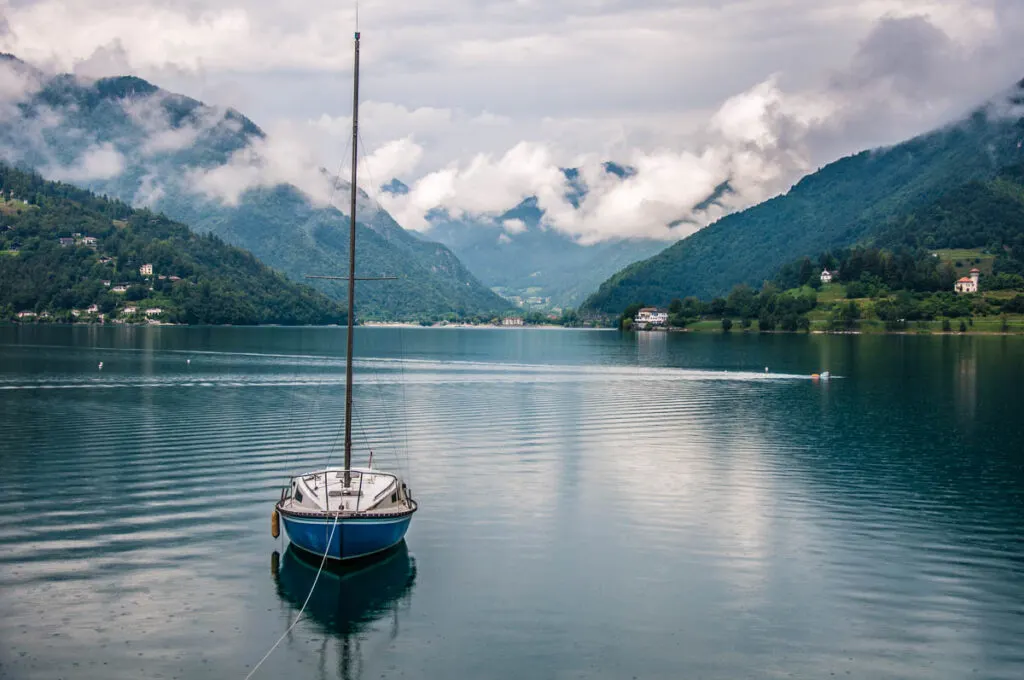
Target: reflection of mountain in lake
(347,601)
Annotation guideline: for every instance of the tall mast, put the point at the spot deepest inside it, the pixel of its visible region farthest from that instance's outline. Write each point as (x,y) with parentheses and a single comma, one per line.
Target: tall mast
(351,270)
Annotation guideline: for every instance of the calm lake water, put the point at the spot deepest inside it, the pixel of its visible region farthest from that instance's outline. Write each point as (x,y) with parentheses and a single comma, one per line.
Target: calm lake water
(593,504)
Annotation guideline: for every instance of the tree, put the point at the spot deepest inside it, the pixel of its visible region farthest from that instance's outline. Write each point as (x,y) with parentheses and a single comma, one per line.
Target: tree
(947,276)
(726,324)
(675,306)
(136,293)
(806,271)
(630,313)
(963,327)
(856,289)
(741,302)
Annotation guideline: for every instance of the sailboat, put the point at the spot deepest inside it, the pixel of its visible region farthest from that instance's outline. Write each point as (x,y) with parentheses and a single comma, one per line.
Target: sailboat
(345,513)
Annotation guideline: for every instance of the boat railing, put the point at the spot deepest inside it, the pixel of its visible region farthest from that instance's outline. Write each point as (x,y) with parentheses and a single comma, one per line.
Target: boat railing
(354,473)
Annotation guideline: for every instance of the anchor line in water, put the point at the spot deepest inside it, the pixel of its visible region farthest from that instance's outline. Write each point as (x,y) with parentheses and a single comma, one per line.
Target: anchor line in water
(302,609)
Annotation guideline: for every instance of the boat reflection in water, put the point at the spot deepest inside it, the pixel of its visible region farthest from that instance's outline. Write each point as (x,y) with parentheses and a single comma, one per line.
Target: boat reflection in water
(349,599)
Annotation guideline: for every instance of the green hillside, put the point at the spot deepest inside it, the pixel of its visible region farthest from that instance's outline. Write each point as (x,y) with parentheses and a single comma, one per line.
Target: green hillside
(67,255)
(837,206)
(901,278)
(164,137)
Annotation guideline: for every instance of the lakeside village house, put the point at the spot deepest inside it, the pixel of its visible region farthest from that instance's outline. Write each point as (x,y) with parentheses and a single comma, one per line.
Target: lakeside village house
(968,284)
(512,321)
(651,316)
(77,239)
(826,276)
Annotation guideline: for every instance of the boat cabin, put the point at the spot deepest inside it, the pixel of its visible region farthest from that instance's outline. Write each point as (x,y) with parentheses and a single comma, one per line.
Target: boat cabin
(325,491)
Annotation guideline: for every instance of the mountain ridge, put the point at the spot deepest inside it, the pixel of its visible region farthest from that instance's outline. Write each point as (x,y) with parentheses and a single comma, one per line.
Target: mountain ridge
(125,137)
(532,264)
(836,206)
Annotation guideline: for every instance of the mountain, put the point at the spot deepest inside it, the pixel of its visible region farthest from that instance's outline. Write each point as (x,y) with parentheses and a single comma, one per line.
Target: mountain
(978,214)
(524,261)
(840,204)
(516,255)
(63,248)
(126,138)
(979,223)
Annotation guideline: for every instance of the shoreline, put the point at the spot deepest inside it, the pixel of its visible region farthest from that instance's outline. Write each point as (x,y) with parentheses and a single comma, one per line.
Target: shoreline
(531,327)
(819,331)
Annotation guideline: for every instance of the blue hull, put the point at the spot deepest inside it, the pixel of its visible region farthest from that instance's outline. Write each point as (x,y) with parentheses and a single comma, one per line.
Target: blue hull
(353,537)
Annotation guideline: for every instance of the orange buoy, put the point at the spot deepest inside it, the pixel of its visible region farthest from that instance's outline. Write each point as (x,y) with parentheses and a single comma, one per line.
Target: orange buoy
(275,524)
(814,376)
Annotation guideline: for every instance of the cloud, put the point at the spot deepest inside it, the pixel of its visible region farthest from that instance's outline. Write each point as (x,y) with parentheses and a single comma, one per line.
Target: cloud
(98,162)
(150,191)
(753,141)
(484,185)
(265,162)
(477,105)
(106,60)
(396,158)
(18,82)
(514,226)
(898,83)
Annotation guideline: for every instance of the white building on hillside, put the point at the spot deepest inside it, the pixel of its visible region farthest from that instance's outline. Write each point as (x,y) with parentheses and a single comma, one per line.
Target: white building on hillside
(147,269)
(651,316)
(826,276)
(968,284)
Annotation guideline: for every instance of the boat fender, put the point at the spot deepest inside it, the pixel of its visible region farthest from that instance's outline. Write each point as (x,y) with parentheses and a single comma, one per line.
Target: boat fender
(275,524)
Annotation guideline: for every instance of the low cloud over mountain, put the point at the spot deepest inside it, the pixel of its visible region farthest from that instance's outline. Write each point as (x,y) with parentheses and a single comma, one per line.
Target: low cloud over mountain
(477,105)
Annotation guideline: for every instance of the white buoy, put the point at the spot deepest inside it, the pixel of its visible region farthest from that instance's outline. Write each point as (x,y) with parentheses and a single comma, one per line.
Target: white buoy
(101,365)
(765,369)
(188,361)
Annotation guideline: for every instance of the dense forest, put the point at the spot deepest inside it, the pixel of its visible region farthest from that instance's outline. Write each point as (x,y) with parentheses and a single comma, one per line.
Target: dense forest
(841,204)
(68,254)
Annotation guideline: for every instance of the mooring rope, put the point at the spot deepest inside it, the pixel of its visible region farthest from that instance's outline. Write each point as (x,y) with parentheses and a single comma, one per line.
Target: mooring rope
(298,616)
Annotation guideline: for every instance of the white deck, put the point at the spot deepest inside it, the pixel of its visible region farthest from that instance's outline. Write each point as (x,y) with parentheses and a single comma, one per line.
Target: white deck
(369,490)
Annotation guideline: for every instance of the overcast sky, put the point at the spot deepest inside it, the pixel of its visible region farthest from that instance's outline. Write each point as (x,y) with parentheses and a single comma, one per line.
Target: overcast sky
(476,103)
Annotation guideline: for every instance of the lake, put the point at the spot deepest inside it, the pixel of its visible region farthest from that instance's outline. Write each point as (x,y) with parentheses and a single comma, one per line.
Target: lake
(592,504)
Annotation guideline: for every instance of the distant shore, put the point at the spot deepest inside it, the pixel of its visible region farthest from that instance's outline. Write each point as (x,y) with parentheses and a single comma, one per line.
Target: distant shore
(490,326)
(819,331)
